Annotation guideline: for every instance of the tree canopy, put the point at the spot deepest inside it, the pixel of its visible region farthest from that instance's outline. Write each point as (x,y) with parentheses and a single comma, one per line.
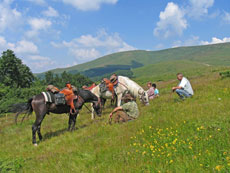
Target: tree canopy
(13,72)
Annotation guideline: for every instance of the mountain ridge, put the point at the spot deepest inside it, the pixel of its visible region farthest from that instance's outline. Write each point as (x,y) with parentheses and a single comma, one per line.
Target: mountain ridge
(214,54)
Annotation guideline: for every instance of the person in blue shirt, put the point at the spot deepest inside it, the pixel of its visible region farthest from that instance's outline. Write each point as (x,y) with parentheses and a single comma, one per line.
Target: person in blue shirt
(156,91)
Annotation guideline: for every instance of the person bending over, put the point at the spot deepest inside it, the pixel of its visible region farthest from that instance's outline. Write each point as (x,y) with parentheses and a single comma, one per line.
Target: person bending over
(184,89)
(128,111)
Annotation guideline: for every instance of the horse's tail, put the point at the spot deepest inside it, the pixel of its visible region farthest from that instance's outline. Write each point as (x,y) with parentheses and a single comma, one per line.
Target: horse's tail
(25,108)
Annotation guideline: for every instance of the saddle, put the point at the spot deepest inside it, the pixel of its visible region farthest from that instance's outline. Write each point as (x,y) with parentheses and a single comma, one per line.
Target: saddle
(68,94)
(106,85)
(69,97)
(90,87)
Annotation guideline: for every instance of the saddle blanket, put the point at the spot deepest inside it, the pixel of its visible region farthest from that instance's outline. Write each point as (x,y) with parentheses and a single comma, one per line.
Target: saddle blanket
(58,99)
(48,97)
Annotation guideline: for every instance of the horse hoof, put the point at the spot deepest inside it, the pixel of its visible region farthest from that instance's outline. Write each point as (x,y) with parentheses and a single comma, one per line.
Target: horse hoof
(35,144)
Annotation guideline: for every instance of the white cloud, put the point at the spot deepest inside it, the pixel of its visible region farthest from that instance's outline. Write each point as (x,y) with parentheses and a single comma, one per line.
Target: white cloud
(39,2)
(89,47)
(38,57)
(9,18)
(22,47)
(192,41)
(30,55)
(3,44)
(199,8)
(86,5)
(50,12)
(25,47)
(86,53)
(216,40)
(226,17)
(172,21)
(37,24)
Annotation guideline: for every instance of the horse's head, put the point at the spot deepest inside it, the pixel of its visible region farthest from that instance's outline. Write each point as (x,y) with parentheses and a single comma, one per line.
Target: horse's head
(143,95)
(97,107)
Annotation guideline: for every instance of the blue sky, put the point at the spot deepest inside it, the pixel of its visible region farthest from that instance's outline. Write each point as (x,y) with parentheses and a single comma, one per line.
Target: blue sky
(48,34)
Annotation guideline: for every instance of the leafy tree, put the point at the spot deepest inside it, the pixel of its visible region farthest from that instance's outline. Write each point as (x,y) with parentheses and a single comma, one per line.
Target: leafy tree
(49,77)
(59,81)
(13,72)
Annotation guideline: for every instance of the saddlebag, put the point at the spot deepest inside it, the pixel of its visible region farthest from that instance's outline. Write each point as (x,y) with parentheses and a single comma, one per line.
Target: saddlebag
(59,99)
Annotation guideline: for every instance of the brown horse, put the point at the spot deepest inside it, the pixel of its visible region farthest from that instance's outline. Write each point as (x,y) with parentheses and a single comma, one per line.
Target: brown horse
(41,108)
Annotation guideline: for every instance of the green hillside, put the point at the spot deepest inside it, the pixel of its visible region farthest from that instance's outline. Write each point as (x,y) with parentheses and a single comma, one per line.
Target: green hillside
(215,55)
(169,136)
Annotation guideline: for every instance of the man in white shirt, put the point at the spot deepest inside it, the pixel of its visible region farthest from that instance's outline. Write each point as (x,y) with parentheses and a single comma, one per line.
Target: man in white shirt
(184,89)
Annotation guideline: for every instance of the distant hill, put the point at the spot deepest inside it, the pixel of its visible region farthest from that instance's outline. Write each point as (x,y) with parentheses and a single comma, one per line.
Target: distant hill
(138,61)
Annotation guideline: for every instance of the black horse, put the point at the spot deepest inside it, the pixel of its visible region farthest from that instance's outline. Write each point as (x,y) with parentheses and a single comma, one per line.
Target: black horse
(41,108)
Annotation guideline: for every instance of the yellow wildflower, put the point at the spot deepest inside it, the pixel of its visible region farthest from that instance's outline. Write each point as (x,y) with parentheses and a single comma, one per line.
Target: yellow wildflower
(144,152)
(224,153)
(174,142)
(171,161)
(218,167)
(201,165)
(228,158)
(134,144)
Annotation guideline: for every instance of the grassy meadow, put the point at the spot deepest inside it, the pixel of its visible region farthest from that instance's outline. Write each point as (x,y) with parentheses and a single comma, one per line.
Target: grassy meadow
(169,136)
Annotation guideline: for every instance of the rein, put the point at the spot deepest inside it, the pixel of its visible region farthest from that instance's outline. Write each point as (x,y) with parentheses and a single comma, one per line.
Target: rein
(123,85)
(87,106)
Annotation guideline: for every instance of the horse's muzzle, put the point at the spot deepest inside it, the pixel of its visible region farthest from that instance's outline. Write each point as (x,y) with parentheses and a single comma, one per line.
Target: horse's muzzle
(146,104)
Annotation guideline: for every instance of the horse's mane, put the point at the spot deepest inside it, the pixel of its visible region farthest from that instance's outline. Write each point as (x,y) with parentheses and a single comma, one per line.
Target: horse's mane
(129,81)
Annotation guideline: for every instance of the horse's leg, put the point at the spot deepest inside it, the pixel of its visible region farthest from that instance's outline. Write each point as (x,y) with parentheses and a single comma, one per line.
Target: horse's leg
(39,129)
(70,121)
(74,120)
(92,112)
(40,114)
(119,96)
(34,130)
(115,101)
(103,101)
